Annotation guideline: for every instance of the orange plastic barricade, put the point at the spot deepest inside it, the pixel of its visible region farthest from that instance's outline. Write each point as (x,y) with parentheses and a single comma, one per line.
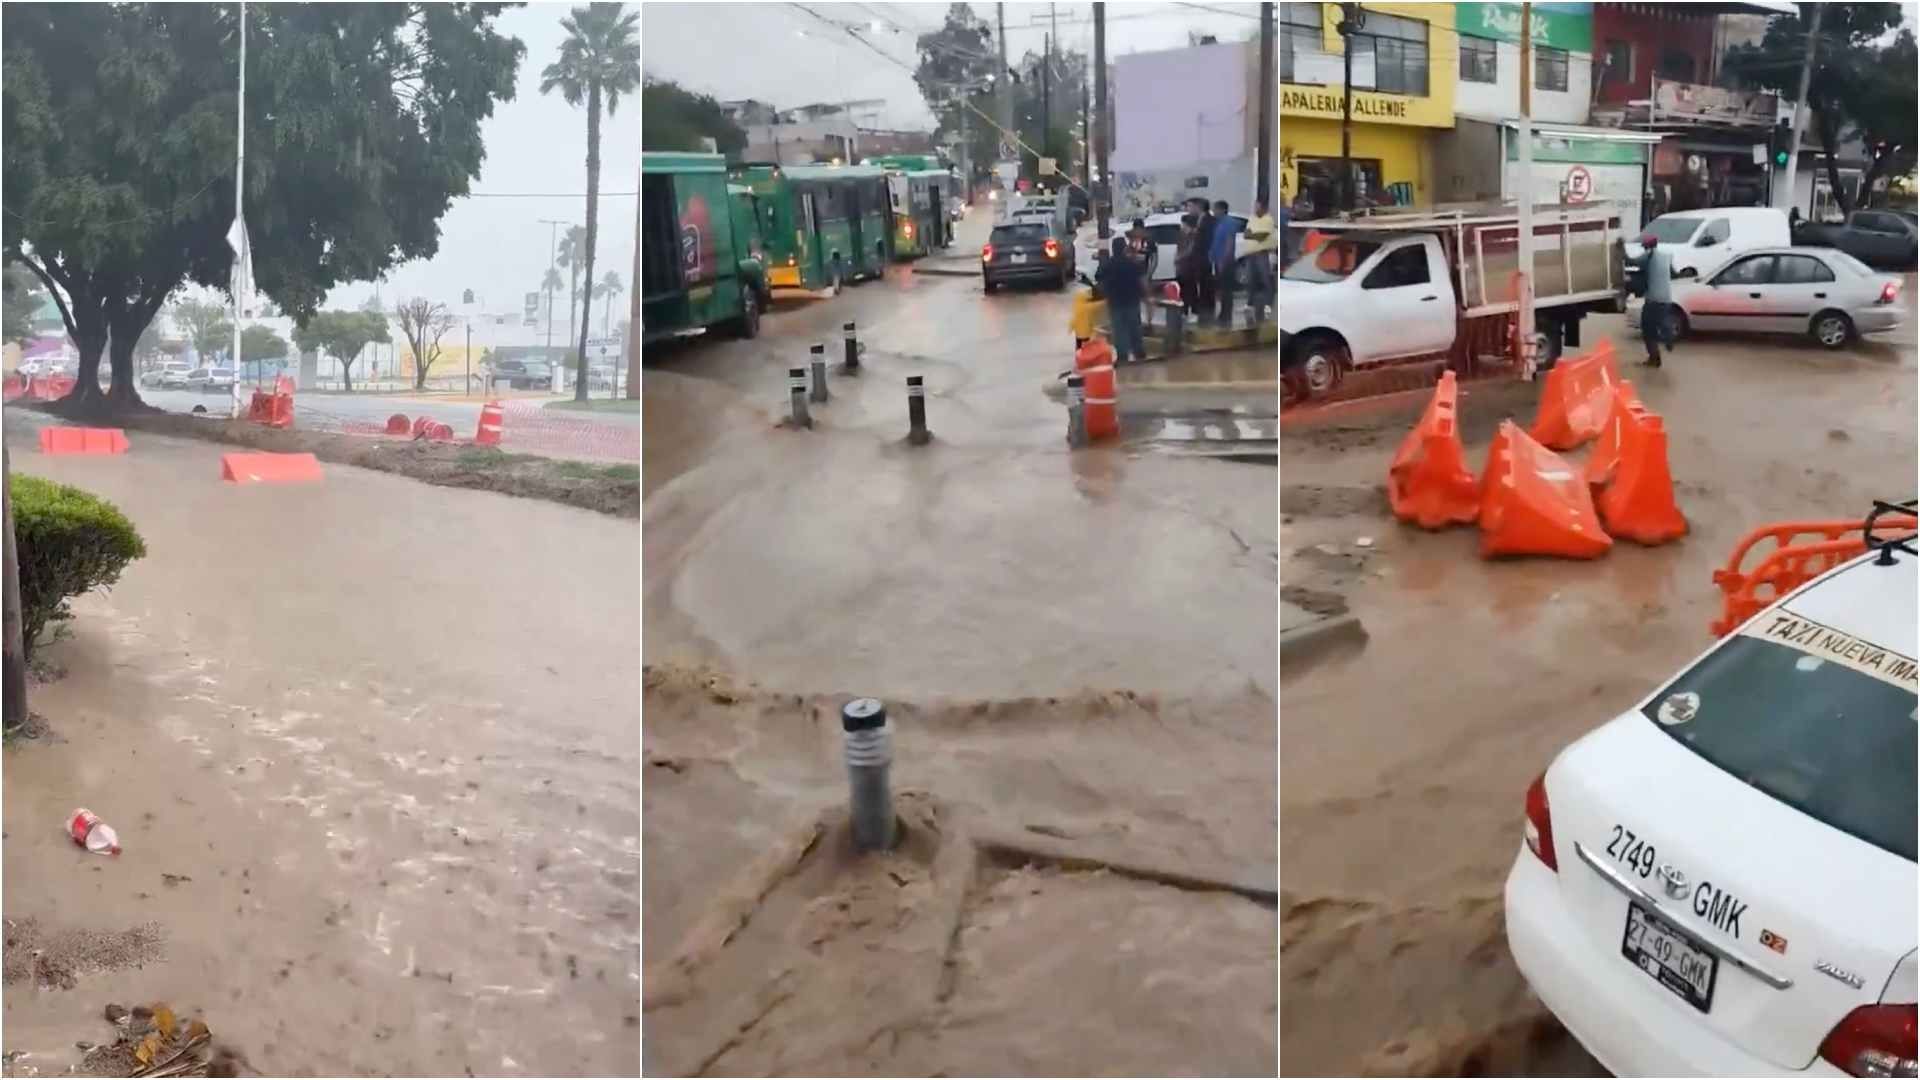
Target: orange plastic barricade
(492,416)
(1429,483)
(262,468)
(1533,503)
(398,424)
(1101,410)
(78,440)
(1606,452)
(1637,504)
(1801,551)
(1577,399)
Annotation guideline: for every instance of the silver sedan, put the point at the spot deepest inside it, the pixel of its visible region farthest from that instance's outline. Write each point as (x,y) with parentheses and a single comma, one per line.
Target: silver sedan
(1821,292)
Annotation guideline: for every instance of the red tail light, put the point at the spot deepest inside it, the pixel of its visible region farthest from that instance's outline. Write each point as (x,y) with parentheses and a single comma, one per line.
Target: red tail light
(1873,1040)
(1052,248)
(1889,291)
(1540,823)
(986,253)
(909,230)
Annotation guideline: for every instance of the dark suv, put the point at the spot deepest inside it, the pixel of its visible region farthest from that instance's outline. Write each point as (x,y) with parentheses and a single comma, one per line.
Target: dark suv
(1029,250)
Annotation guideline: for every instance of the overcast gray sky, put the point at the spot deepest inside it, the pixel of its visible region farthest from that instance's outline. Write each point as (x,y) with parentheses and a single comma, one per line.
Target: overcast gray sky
(535,144)
(780,54)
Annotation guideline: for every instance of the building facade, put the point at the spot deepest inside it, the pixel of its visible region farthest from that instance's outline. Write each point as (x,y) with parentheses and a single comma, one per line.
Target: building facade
(1488,54)
(1185,126)
(1404,78)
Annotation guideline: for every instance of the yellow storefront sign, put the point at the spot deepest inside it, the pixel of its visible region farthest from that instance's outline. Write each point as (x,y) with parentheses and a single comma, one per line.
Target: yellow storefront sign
(1431,109)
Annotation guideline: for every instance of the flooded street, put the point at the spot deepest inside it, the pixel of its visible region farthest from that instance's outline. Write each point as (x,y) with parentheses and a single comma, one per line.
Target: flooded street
(371,749)
(1404,761)
(1076,649)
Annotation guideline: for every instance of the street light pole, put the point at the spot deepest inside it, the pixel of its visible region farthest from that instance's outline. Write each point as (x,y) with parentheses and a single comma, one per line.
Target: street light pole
(1525,318)
(553,254)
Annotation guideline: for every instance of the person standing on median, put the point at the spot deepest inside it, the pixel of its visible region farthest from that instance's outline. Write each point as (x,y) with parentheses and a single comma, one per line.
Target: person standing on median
(1121,280)
(1656,318)
(1205,300)
(1225,230)
(1258,261)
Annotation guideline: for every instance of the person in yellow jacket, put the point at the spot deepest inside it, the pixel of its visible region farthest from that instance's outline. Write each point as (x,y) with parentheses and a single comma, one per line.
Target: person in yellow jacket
(1088,308)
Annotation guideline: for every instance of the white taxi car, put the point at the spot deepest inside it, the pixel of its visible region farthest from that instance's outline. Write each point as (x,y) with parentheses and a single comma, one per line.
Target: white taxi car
(1721,882)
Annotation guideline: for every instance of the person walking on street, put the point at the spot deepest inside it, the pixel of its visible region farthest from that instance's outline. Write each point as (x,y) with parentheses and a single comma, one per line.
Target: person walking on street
(1225,230)
(1656,318)
(1121,280)
(1258,262)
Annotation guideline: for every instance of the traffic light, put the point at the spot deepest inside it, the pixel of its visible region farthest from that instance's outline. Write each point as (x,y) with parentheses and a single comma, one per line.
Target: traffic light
(1782,143)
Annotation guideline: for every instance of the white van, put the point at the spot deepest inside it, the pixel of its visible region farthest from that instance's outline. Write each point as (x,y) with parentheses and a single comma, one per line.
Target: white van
(1701,240)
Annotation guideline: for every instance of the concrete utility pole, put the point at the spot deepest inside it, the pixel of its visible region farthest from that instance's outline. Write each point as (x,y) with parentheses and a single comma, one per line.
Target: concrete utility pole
(1525,186)
(1046,101)
(1102,189)
(1005,85)
(1352,20)
(1784,198)
(1263,154)
(241,256)
(1086,139)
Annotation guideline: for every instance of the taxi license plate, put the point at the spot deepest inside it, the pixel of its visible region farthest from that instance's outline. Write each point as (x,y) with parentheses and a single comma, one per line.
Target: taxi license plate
(1019,257)
(1665,953)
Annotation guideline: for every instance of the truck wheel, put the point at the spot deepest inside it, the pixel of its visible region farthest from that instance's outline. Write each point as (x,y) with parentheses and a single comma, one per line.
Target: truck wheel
(1320,363)
(1832,329)
(747,326)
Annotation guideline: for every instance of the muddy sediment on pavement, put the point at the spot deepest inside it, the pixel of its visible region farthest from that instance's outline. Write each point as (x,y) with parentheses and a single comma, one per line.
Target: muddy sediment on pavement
(1405,765)
(604,488)
(920,960)
(56,958)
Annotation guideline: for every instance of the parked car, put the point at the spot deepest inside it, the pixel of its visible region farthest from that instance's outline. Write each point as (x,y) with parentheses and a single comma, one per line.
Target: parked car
(171,374)
(1883,238)
(210,380)
(1164,228)
(1720,881)
(1028,250)
(1819,291)
(1696,241)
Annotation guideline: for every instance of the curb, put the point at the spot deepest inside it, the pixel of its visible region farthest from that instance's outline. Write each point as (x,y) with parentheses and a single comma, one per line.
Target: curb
(1303,643)
(947,271)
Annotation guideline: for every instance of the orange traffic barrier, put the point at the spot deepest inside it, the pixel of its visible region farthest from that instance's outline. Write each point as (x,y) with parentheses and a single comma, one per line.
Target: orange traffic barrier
(1533,503)
(79,440)
(491,418)
(1637,503)
(273,409)
(398,424)
(1429,483)
(264,468)
(1606,452)
(1801,551)
(1577,399)
(1101,409)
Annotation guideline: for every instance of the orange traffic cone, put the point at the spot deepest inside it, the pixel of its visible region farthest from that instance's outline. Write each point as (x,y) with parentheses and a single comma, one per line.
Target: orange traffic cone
(492,416)
(1101,408)
(1533,503)
(1577,399)
(1429,483)
(1637,504)
(1606,452)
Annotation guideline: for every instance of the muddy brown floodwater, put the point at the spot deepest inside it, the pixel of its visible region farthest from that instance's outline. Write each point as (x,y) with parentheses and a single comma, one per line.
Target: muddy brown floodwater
(1078,652)
(371,748)
(1404,763)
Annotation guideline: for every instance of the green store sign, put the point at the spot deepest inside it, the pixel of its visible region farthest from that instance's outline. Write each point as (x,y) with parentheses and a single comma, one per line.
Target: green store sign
(1558,26)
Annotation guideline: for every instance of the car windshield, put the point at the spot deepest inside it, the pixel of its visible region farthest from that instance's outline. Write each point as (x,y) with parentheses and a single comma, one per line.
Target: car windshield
(1673,230)
(1812,717)
(1334,262)
(1848,261)
(1018,234)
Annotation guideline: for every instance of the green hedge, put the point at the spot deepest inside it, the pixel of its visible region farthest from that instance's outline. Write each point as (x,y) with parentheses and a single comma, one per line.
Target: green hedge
(70,543)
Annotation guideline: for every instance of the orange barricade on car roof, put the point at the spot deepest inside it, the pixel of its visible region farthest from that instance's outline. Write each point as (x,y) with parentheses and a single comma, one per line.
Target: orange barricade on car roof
(1533,503)
(1801,551)
(1577,399)
(1637,502)
(1429,483)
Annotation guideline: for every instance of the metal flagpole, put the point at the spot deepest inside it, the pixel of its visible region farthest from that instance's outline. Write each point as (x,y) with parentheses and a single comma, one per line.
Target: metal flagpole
(241,254)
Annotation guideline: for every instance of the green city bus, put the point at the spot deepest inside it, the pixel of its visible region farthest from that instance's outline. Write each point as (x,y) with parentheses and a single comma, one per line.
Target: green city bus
(702,260)
(823,225)
(921,193)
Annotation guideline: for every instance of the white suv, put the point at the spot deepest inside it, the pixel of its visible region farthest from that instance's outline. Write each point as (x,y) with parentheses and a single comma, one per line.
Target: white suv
(1721,881)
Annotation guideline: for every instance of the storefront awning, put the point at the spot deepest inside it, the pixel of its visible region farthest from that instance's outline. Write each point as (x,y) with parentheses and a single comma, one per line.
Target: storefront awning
(1547,130)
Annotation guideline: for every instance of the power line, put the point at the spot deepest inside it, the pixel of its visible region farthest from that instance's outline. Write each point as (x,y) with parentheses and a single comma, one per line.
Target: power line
(1222,11)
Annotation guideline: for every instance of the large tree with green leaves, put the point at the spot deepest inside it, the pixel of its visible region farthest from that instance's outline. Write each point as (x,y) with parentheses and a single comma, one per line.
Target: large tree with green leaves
(959,64)
(342,335)
(20,296)
(206,324)
(599,63)
(675,118)
(1862,84)
(117,163)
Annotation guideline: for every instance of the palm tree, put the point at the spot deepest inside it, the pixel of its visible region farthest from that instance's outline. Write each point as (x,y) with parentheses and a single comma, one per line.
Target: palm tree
(572,249)
(609,287)
(599,61)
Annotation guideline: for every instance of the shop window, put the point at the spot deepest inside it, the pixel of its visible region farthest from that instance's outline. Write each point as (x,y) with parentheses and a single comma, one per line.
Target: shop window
(1619,61)
(1399,48)
(1300,33)
(1550,69)
(1676,64)
(1479,60)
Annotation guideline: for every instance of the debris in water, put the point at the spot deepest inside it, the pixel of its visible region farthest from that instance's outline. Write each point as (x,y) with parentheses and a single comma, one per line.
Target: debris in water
(91,833)
(1365,542)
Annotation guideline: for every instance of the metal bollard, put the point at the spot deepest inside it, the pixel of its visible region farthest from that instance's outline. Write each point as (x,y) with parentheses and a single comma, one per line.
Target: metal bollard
(797,390)
(917,410)
(1076,410)
(819,359)
(869,752)
(853,347)
(1176,330)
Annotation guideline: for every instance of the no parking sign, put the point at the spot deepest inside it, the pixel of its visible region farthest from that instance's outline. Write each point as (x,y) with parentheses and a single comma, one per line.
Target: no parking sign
(1579,184)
